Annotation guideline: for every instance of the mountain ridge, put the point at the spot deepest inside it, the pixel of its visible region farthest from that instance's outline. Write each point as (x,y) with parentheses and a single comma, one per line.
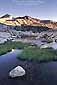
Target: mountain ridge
(27,21)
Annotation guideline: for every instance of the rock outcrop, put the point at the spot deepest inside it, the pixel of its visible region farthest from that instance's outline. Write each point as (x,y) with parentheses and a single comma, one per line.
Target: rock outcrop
(27,20)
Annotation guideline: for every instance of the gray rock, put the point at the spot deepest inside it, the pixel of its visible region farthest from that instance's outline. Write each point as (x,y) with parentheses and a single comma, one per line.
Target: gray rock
(18,71)
(52,45)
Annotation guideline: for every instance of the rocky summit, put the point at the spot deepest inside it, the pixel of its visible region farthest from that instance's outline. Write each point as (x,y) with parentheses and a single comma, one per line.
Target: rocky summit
(26,21)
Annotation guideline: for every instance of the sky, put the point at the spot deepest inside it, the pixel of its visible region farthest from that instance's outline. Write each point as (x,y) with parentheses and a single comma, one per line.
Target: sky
(42,9)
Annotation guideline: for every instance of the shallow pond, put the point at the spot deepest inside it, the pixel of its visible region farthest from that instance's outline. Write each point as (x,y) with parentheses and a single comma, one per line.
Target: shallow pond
(36,73)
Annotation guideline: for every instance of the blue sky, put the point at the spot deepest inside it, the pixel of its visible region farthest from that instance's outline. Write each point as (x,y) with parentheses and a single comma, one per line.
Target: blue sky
(43,9)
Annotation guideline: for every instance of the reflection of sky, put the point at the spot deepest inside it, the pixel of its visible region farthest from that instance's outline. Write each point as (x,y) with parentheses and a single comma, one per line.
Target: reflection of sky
(44,9)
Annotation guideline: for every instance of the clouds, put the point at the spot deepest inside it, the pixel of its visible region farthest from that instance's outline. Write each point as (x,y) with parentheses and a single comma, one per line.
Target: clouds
(28,2)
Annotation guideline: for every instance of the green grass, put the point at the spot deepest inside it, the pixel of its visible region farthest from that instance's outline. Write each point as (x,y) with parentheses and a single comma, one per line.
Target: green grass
(35,53)
(29,53)
(6,47)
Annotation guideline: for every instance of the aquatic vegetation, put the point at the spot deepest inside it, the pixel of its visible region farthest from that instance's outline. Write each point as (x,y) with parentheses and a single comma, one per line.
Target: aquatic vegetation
(35,53)
(7,47)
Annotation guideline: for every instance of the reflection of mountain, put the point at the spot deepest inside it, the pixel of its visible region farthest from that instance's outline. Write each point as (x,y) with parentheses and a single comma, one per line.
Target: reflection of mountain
(9,21)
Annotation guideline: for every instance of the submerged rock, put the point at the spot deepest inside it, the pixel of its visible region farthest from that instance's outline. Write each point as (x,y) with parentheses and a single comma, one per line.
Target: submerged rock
(18,71)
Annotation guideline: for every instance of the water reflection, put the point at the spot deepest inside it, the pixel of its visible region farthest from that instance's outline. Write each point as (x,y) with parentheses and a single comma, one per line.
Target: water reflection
(36,73)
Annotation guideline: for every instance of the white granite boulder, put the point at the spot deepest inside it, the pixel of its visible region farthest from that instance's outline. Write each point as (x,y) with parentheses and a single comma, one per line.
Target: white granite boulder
(18,71)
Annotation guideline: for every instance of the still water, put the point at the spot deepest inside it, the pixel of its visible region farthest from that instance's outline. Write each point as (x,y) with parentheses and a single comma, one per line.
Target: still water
(36,73)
